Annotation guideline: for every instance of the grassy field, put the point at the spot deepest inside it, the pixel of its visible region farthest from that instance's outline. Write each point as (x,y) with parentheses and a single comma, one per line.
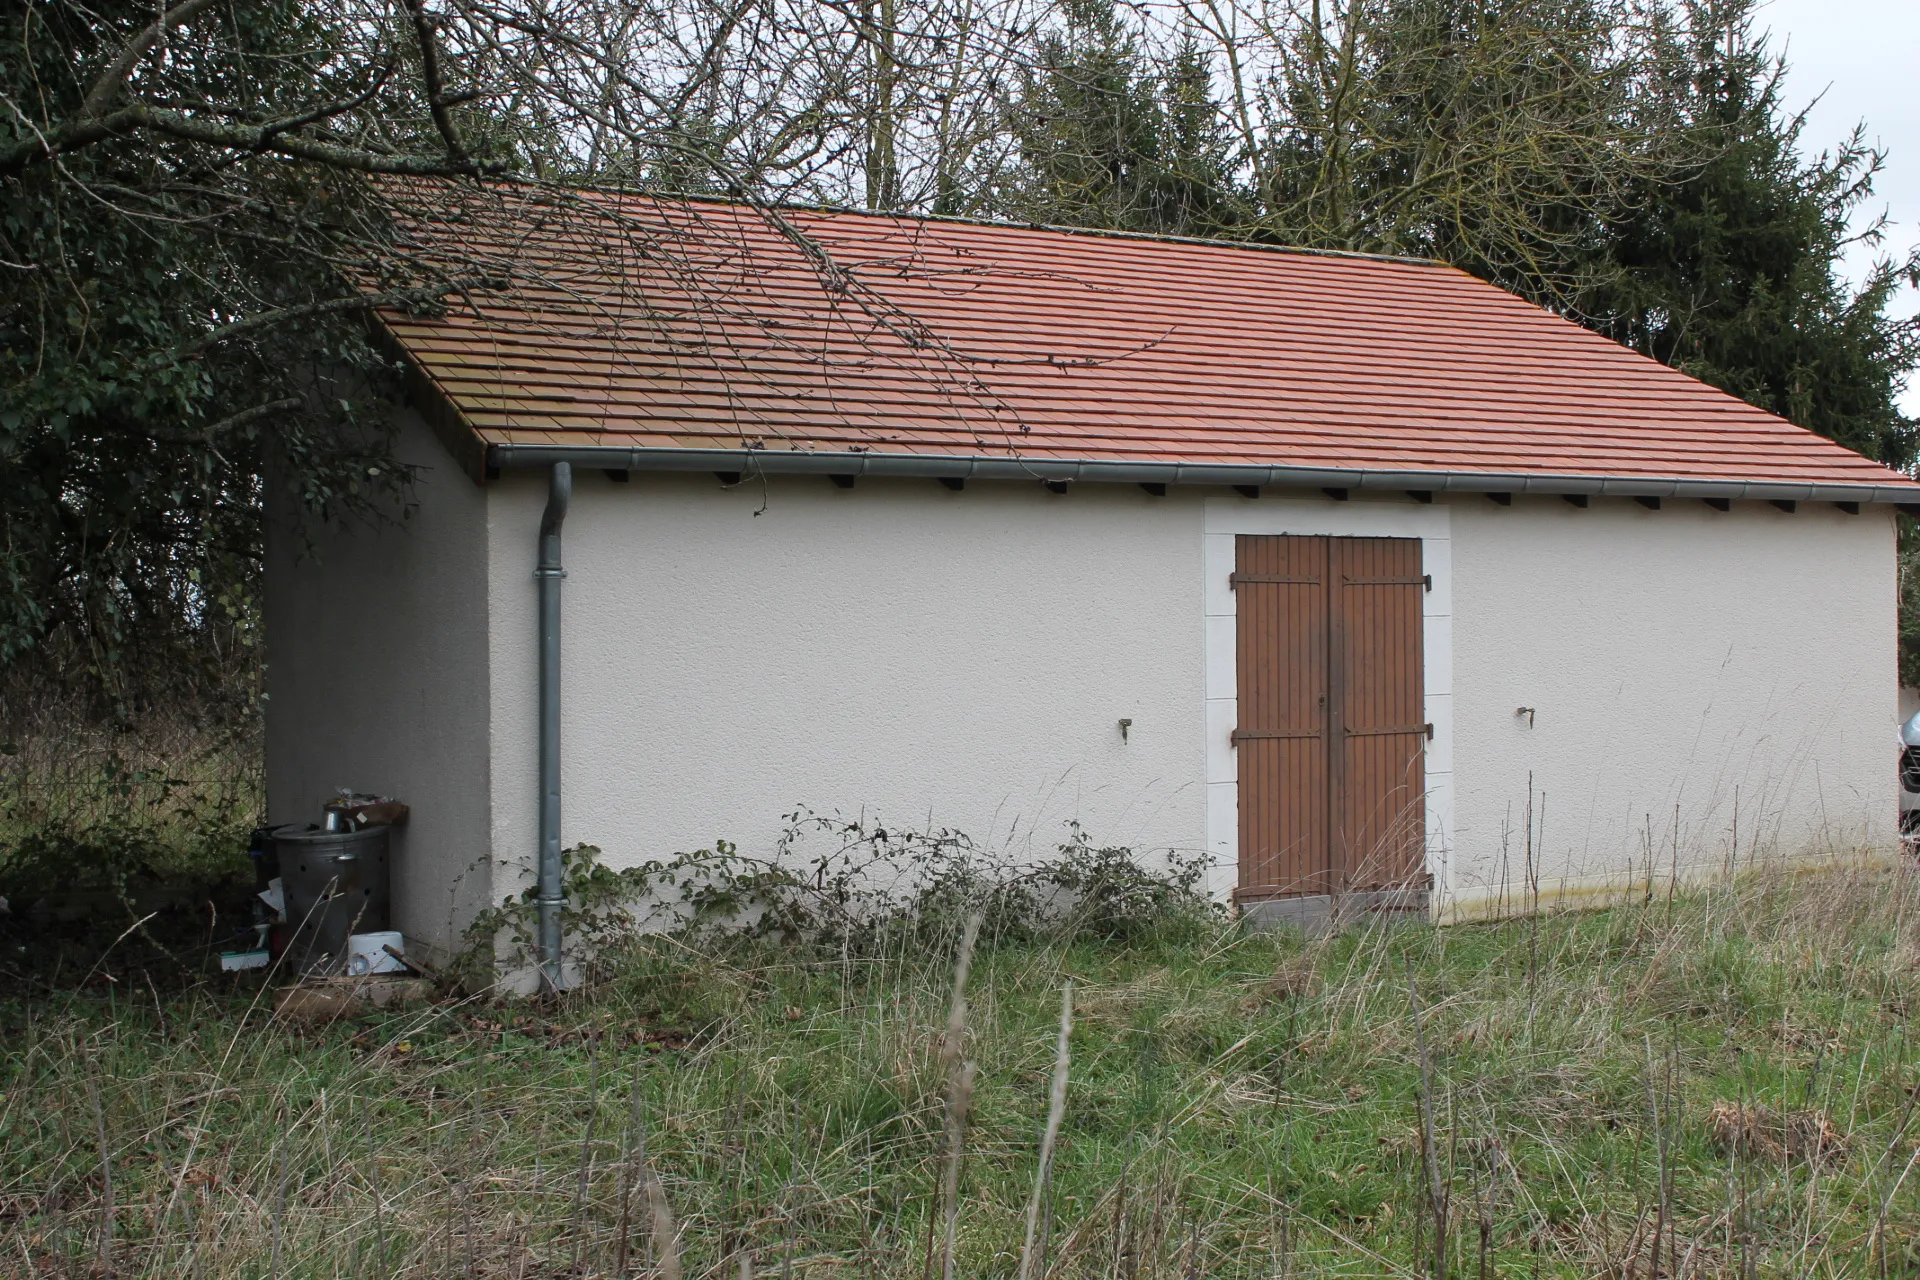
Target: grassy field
(1717,1085)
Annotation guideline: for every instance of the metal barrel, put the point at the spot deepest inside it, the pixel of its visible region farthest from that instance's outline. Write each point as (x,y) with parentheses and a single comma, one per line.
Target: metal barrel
(336,883)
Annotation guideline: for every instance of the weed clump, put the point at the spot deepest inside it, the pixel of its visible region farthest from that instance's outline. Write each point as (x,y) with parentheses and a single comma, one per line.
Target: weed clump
(1752,1131)
(871,889)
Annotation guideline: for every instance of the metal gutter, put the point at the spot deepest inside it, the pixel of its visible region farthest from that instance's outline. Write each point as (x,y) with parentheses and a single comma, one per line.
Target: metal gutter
(552,894)
(749,462)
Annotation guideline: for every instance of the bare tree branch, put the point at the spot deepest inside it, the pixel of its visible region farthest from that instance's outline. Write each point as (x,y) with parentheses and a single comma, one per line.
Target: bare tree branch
(233,422)
(80,133)
(436,90)
(331,306)
(104,90)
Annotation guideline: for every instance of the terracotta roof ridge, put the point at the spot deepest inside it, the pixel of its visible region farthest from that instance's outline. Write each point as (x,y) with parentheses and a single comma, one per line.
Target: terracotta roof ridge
(970,220)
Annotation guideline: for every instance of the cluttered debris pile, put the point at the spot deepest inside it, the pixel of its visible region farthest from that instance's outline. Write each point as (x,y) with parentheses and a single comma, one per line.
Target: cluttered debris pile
(323,907)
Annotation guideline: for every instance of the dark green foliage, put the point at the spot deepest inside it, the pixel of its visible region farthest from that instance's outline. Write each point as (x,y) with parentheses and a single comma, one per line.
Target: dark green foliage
(1729,269)
(132,517)
(1909,580)
(1110,138)
(142,383)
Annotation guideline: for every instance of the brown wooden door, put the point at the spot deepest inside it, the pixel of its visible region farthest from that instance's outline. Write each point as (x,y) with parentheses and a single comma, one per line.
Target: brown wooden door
(1331,705)
(1286,822)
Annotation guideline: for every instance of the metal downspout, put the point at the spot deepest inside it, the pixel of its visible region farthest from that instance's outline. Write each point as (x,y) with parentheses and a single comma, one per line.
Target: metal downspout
(548,574)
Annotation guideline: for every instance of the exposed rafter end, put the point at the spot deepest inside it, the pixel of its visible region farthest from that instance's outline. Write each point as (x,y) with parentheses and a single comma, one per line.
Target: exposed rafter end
(1154,487)
(1500,499)
(841,482)
(955,483)
(1420,495)
(1576,500)
(1786,504)
(619,475)
(1650,503)
(728,478)
(1851,508)
(1247,490)
(1055,486)
(1719,504)
(1338,495)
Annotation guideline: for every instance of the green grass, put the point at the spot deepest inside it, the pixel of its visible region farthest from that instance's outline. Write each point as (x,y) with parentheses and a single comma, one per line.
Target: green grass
(1238,1106)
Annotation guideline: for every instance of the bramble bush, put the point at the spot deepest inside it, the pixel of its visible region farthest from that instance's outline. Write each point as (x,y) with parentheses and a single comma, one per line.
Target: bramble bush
(872,889)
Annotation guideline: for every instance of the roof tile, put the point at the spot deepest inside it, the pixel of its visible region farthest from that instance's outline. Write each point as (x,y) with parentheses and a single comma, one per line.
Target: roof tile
(637,321)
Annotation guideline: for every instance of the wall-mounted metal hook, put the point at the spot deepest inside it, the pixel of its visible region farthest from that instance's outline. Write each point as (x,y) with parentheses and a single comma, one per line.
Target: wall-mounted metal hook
(1527,712)
(1126,723)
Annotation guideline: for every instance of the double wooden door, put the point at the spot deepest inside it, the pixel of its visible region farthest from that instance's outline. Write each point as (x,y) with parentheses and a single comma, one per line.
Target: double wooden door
(1332,731)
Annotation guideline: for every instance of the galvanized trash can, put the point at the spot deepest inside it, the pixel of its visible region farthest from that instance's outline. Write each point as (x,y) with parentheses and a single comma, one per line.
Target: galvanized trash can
(337,883)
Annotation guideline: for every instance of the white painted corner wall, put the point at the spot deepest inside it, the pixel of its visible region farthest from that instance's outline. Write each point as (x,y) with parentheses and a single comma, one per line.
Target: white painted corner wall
(376,680)
(932,659)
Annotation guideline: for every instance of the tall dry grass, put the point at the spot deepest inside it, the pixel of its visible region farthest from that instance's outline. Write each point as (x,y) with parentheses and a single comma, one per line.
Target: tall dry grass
(1720,1085)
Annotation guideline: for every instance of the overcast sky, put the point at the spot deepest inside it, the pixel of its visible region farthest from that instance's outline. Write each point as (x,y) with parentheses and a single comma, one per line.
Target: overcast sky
(1861,60)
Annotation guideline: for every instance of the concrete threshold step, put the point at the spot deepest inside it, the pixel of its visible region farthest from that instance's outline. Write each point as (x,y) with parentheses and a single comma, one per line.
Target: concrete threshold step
(1317,914)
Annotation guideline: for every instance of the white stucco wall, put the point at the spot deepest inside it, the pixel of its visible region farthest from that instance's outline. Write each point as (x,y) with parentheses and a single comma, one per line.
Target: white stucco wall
(927,658)
(962,660)
(1681,658)
(377,680)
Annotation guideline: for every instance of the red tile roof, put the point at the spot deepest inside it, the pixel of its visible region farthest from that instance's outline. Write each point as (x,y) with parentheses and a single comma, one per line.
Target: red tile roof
(676,326)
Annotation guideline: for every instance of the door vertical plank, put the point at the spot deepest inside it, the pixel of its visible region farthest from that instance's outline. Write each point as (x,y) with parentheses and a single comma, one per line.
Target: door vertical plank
(1282,742)
(1381,801)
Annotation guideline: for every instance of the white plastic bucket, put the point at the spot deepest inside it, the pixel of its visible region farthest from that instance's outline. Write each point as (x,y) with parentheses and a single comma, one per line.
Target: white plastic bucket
(366,953)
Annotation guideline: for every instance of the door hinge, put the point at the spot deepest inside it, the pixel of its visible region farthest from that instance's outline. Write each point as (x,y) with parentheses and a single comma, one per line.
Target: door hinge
(1428,579)
(1262,735)
(1235,579)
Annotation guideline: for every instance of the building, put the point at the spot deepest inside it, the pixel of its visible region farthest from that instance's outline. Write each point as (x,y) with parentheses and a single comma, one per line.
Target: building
(1354,572)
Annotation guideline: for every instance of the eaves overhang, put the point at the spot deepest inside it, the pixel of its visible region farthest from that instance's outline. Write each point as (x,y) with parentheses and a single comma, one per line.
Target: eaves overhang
(748,462)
